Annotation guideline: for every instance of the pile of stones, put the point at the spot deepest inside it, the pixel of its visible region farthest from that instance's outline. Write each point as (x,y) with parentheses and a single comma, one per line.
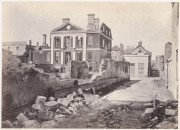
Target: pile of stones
(160,116)
(48,113)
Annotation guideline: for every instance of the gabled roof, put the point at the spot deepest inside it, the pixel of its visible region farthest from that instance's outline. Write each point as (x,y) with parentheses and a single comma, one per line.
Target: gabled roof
(64,27)
(141,49)
(115,48)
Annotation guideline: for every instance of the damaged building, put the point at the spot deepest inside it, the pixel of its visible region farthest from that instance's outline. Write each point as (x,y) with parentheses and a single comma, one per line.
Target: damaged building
(70,42)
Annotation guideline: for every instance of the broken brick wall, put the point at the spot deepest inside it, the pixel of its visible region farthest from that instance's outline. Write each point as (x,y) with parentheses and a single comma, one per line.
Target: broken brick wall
(79,69)
(24,83)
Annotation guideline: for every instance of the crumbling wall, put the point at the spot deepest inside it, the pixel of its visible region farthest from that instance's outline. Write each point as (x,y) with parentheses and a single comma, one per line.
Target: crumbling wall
(117,69)
(24,83)
(79,69)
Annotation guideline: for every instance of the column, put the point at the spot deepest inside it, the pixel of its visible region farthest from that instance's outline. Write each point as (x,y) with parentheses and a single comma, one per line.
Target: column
(52,50)
(84,47)
(62,50)
(74,47)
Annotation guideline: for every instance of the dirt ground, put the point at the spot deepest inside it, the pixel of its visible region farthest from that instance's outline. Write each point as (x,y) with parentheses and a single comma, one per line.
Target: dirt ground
(110,114)
(105,115)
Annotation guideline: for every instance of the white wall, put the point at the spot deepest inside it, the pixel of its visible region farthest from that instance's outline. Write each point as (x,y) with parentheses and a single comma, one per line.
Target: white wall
(138,59)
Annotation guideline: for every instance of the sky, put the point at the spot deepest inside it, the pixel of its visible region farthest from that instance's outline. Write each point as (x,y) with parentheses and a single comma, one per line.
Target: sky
(130,22)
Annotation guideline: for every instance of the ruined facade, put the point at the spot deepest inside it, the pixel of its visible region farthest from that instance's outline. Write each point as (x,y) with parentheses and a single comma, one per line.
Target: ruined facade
(140,61)
(70,42)
(171,56)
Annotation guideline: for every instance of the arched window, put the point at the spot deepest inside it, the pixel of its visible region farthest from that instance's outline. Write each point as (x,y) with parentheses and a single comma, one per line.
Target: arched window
(48,57)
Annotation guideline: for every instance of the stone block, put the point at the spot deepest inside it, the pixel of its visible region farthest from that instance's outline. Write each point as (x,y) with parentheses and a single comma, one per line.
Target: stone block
(74,94)
(45,115)
(21,118)
(75,104)
(64,110)
(31,124)
(51,99)
(17,124)
(71,109)
(51,105)
(79,91)
(64,102)
(40,100)
(49,124)
(7,124)
(37,107)
(80,104)
(170,112)
(70,97)
(59,118)
(148,111)
(31,115)
(76,99)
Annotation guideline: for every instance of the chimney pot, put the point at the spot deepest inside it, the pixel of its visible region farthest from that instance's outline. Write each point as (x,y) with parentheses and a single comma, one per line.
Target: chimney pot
(65,20)
(30,42)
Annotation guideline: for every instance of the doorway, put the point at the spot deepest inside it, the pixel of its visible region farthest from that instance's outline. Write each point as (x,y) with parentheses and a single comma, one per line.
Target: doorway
(67,57)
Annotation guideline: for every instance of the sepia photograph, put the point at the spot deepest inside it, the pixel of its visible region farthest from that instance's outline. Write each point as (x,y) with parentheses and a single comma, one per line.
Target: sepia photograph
(89,64)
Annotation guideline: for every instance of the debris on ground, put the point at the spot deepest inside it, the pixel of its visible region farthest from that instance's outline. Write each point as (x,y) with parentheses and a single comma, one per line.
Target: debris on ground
(48,113)
(161,116)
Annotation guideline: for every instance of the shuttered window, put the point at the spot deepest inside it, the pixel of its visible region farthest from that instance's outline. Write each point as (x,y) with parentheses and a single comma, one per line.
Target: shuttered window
(140,68)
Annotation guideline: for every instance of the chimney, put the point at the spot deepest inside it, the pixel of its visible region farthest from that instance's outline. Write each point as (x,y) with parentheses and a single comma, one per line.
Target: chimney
(30,42)
(91,22)
(121,46)
(37,44)
(140,43)
(91,18)
(65,20)
(44,39)
(96,22)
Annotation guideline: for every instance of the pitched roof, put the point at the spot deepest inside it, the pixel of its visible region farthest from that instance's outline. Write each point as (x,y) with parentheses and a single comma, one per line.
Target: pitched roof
(63,28)
(116,48)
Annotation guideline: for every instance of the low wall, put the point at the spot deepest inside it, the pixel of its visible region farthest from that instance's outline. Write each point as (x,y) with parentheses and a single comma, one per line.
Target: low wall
(117,69)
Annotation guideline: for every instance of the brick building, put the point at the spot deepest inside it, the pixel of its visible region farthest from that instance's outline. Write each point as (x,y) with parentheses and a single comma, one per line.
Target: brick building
(140,61)
(71,42)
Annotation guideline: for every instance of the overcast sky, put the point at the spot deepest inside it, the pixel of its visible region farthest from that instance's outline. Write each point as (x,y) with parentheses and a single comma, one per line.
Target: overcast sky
(129,22)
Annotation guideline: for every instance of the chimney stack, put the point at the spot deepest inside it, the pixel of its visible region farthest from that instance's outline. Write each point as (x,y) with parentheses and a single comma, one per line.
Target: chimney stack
(91,18)
(96,22)
(65,20)
(140,43)
(44,39)
(91,22)
(30,42)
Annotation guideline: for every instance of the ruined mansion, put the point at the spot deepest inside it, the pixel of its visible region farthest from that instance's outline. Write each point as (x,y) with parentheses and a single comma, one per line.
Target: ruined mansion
(70,42)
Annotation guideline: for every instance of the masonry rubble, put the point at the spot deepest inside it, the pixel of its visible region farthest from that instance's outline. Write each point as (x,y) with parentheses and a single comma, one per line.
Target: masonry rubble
(48,112)
(164,115)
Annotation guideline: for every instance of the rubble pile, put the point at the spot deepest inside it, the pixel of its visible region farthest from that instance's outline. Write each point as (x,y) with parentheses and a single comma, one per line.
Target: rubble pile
(49,112)
(161,116)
